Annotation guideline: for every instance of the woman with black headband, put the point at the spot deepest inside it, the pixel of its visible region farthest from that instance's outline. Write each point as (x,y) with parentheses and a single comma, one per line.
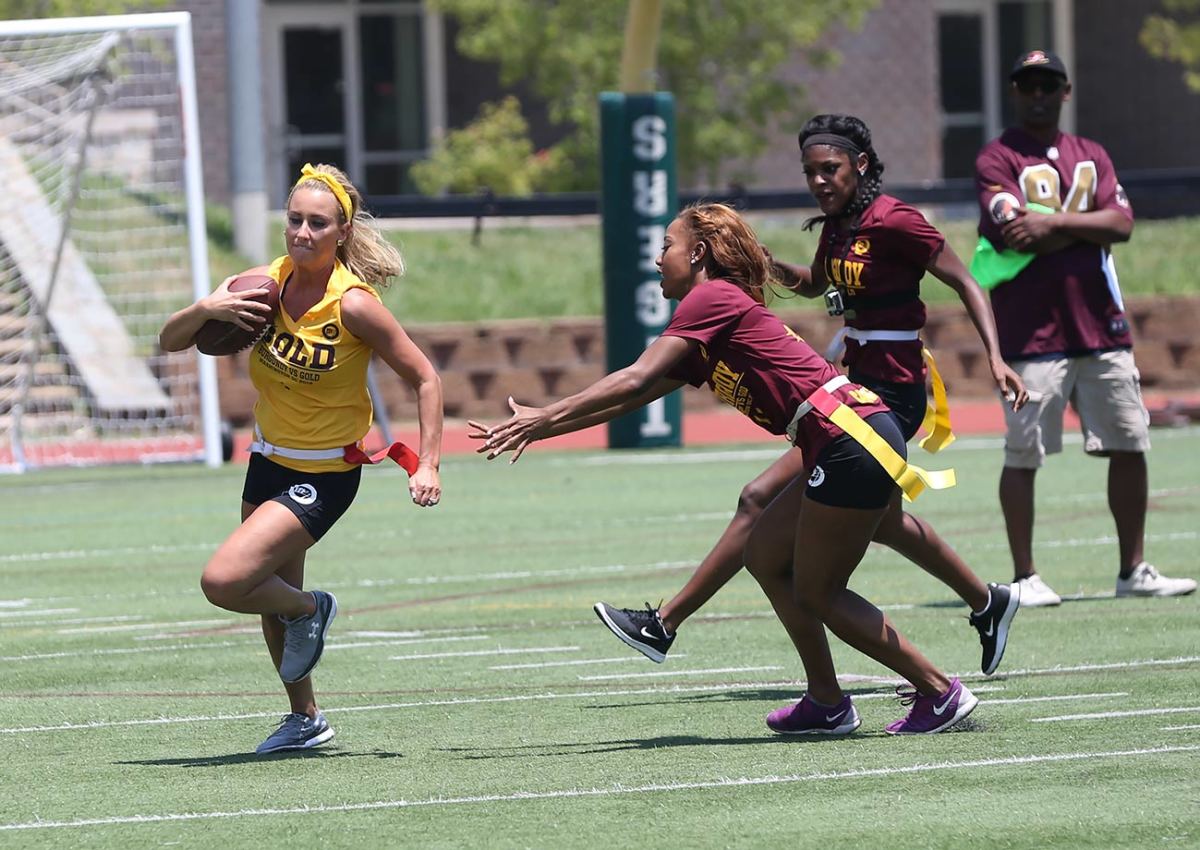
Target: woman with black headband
(870,241)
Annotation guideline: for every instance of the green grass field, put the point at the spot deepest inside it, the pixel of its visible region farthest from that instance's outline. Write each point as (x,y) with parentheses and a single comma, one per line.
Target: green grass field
(479,703)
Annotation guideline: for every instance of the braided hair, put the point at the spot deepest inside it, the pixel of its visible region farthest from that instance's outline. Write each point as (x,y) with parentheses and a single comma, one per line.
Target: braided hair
(870,184)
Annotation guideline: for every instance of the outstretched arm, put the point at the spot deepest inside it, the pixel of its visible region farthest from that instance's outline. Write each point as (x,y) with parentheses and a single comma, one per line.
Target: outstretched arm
(949,269)
(663,386)
(619,392)
(366,318)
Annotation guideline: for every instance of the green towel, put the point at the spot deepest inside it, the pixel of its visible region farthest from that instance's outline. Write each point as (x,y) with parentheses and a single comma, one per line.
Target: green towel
(992,268)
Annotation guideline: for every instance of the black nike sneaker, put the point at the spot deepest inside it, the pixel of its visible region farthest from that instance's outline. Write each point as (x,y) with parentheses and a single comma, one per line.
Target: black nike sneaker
(992,623)
(643,630)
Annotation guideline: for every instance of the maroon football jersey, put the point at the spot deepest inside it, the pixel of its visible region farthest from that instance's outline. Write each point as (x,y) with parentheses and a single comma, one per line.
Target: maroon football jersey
(878,269)
(1066,302)
(752,361)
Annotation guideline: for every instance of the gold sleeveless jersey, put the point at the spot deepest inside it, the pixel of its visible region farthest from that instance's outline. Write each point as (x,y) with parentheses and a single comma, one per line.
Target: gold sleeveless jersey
(311,375)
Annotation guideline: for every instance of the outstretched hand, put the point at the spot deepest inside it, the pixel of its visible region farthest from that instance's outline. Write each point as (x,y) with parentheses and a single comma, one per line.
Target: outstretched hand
(1011,387)
(526,425)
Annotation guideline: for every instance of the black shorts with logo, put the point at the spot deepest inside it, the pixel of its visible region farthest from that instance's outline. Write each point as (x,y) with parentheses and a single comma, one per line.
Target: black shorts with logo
(845,474)
(907,401)
(318,499)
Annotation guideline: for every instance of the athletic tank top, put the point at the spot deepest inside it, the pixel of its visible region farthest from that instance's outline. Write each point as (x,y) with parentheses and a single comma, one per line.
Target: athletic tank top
(311,375)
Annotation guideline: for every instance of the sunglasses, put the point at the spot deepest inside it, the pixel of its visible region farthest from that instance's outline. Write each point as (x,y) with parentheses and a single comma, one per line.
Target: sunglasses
(1048,85)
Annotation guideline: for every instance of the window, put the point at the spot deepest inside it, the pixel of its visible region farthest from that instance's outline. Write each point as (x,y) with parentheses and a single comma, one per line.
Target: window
(354,83)
(977,42)
(964,118)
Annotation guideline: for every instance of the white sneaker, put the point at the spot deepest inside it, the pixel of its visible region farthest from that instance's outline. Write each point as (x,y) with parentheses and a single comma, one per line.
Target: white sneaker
(1035,593)
(1145,581)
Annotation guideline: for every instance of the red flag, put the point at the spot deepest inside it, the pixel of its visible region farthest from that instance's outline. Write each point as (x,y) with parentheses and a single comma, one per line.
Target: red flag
(400,453)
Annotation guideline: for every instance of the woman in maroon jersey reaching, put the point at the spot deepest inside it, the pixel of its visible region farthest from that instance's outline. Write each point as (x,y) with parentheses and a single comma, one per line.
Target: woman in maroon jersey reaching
(724,336)
(873,252)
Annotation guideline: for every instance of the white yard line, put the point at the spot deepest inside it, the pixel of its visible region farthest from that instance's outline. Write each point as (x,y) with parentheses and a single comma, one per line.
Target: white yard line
(157,721)
(525,575)
(482,652)
(657,674)
(522,575)
(85,653)
(86,554)
(617,790)
(179,624)
(405,642)
(74,621)
(1088,668)
(1106,715)
(624,659)
(1181,728)
(394,706)
(36,612)
(1060,698)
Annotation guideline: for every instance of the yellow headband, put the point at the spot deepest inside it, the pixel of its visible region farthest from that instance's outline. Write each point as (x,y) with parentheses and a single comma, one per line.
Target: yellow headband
(310,173)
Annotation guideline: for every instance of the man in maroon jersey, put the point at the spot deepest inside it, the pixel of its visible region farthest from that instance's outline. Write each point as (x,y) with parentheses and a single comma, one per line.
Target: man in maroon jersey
(1061,320)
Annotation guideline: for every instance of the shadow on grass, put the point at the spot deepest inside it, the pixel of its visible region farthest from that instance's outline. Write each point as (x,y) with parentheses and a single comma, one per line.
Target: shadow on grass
(660,742)
(663,742)
(790,694)
(252,758)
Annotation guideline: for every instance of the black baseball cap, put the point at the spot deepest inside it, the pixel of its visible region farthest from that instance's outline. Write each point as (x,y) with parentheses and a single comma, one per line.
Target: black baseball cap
(1038,60)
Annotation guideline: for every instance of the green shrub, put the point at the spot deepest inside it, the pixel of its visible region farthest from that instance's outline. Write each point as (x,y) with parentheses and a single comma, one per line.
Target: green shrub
(492,152)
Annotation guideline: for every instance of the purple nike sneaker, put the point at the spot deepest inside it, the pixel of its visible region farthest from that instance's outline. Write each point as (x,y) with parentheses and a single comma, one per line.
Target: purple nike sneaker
(933,714)
(809,717)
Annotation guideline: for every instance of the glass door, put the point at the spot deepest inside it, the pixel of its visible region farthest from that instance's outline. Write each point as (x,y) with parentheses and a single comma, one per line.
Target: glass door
(355,84)
(311,87)
(314,96)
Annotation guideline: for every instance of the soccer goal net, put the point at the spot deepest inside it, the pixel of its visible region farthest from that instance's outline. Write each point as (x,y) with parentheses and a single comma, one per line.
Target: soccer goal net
(101,238)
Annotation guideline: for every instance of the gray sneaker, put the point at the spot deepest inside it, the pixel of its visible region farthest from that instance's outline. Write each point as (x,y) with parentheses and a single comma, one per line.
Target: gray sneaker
(297,732)
(304,638)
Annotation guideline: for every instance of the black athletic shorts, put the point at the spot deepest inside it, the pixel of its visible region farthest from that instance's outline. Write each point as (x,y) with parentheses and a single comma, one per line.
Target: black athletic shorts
(907,401)
(846,476)
(318,499)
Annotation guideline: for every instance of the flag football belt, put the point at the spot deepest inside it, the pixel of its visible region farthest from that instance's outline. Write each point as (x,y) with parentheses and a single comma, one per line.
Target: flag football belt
(405,457)
(911,478)
(876,302)
(936,423)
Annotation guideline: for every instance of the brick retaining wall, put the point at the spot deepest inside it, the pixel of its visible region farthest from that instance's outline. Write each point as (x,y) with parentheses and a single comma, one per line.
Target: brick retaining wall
(482,363)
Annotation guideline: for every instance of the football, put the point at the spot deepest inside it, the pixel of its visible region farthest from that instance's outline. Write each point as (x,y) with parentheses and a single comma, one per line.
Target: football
(221,338)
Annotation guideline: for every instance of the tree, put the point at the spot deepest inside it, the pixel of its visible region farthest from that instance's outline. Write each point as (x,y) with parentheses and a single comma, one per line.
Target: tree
(492,152)
(1175,37)
(721,60)
(20,9)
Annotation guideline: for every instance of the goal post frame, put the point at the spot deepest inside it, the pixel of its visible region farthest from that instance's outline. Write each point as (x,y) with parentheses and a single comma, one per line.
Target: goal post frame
(181,25)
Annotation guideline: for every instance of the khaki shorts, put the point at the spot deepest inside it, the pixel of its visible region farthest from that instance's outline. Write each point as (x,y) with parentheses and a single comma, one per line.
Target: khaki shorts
(1105,391)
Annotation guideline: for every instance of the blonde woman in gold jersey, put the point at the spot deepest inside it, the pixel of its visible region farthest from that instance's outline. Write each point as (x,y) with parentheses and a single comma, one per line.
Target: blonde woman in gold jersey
(312,413)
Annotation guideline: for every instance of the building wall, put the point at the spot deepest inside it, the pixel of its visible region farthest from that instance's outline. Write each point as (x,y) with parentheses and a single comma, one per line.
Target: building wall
(888,77)
(1136,106)
(212,84)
